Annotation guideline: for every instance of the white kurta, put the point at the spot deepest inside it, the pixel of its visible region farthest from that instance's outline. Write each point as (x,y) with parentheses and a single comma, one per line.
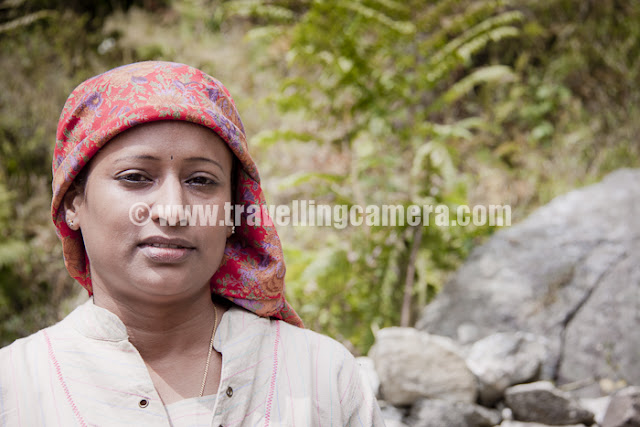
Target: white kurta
(84,371)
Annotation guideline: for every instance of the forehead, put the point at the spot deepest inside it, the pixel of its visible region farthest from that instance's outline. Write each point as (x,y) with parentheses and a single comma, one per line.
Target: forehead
(167,139)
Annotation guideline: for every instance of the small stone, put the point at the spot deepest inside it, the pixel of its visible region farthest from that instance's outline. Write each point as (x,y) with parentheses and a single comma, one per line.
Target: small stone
(525,424)
(439,413)
(412,365)
(504,359)
(541,402)
(507,413)
(624,409)
(390,412)
(596,405)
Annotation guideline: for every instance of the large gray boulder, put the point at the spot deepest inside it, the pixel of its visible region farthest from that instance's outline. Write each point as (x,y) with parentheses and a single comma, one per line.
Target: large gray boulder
(569,272)
(412,365)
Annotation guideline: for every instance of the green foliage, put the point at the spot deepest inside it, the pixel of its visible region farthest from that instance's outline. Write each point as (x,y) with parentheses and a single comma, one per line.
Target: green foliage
(428,103)
(375,86)
(44,54)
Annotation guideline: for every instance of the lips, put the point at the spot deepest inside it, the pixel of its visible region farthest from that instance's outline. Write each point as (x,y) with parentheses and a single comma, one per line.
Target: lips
(166,250)
(167,241)
(158,245)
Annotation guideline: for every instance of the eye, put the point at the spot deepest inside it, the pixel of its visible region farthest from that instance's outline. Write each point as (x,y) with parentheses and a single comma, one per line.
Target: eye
(202,181)
(133,177)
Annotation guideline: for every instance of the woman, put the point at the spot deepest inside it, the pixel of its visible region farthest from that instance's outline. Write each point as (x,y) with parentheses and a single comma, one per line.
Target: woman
(188,324)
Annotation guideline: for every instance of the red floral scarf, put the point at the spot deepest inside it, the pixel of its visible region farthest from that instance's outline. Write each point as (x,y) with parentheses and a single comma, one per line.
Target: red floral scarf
(252,270)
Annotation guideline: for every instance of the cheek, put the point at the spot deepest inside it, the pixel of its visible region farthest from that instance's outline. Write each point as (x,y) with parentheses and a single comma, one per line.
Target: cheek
(105,226)
(215,240)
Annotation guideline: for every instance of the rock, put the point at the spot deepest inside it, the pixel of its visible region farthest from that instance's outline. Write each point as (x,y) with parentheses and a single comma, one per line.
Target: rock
(569,272)
(624,409)
(598,406)
(413,365)
(603,338)
(505,411)
(504,359)
(522,424)
(368,369)
(439,413)
(390,412)
(541,402)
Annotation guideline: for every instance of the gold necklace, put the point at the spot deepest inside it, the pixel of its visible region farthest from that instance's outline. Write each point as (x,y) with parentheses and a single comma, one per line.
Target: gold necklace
(213,334)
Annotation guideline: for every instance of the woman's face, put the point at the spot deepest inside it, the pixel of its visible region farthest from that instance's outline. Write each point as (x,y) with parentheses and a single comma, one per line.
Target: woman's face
(160,164)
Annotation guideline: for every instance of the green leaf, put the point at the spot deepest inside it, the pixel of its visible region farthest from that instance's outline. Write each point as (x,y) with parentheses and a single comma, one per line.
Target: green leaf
(298,179)
(493,73)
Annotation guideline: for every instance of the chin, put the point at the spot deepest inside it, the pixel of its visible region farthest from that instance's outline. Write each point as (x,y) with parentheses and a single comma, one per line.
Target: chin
(169,285)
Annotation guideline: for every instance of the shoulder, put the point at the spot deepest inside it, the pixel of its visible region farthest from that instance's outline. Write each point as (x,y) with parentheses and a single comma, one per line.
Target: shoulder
(319,348)
(300,343)
(340,387)
(300,376)
(23,365)
(21,348)
(26,354)
(314,358)
(30,355)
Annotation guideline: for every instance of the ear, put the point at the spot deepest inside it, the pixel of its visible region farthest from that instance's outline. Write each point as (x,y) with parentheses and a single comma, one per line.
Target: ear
(73,200)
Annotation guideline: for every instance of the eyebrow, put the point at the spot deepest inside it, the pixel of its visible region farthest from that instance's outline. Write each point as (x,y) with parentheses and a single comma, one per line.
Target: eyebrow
(138,157)
(204,159)
(149,157)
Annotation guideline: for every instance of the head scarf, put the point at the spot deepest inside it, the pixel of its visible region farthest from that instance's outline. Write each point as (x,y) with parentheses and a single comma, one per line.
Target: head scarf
(252,270)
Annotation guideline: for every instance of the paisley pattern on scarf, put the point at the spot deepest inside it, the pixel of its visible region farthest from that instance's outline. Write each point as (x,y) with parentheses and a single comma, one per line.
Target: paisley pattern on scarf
(252,270)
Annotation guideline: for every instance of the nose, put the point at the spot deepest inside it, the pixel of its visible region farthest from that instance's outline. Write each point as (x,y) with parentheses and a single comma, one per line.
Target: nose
(168,204)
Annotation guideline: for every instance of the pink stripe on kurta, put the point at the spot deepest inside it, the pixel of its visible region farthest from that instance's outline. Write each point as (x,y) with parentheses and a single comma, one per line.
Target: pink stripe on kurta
(274,374)
(56,365)
(53,393)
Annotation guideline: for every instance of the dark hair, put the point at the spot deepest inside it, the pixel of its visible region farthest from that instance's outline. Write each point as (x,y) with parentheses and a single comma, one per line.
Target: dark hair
(79,183)
(81,179)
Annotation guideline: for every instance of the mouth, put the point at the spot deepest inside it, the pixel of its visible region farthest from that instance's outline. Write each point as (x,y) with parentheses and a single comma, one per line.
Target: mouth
(160,245)
(164,250)
(167,242)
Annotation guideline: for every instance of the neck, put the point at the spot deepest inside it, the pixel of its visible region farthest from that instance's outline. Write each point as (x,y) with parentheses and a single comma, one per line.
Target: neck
(160,329)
